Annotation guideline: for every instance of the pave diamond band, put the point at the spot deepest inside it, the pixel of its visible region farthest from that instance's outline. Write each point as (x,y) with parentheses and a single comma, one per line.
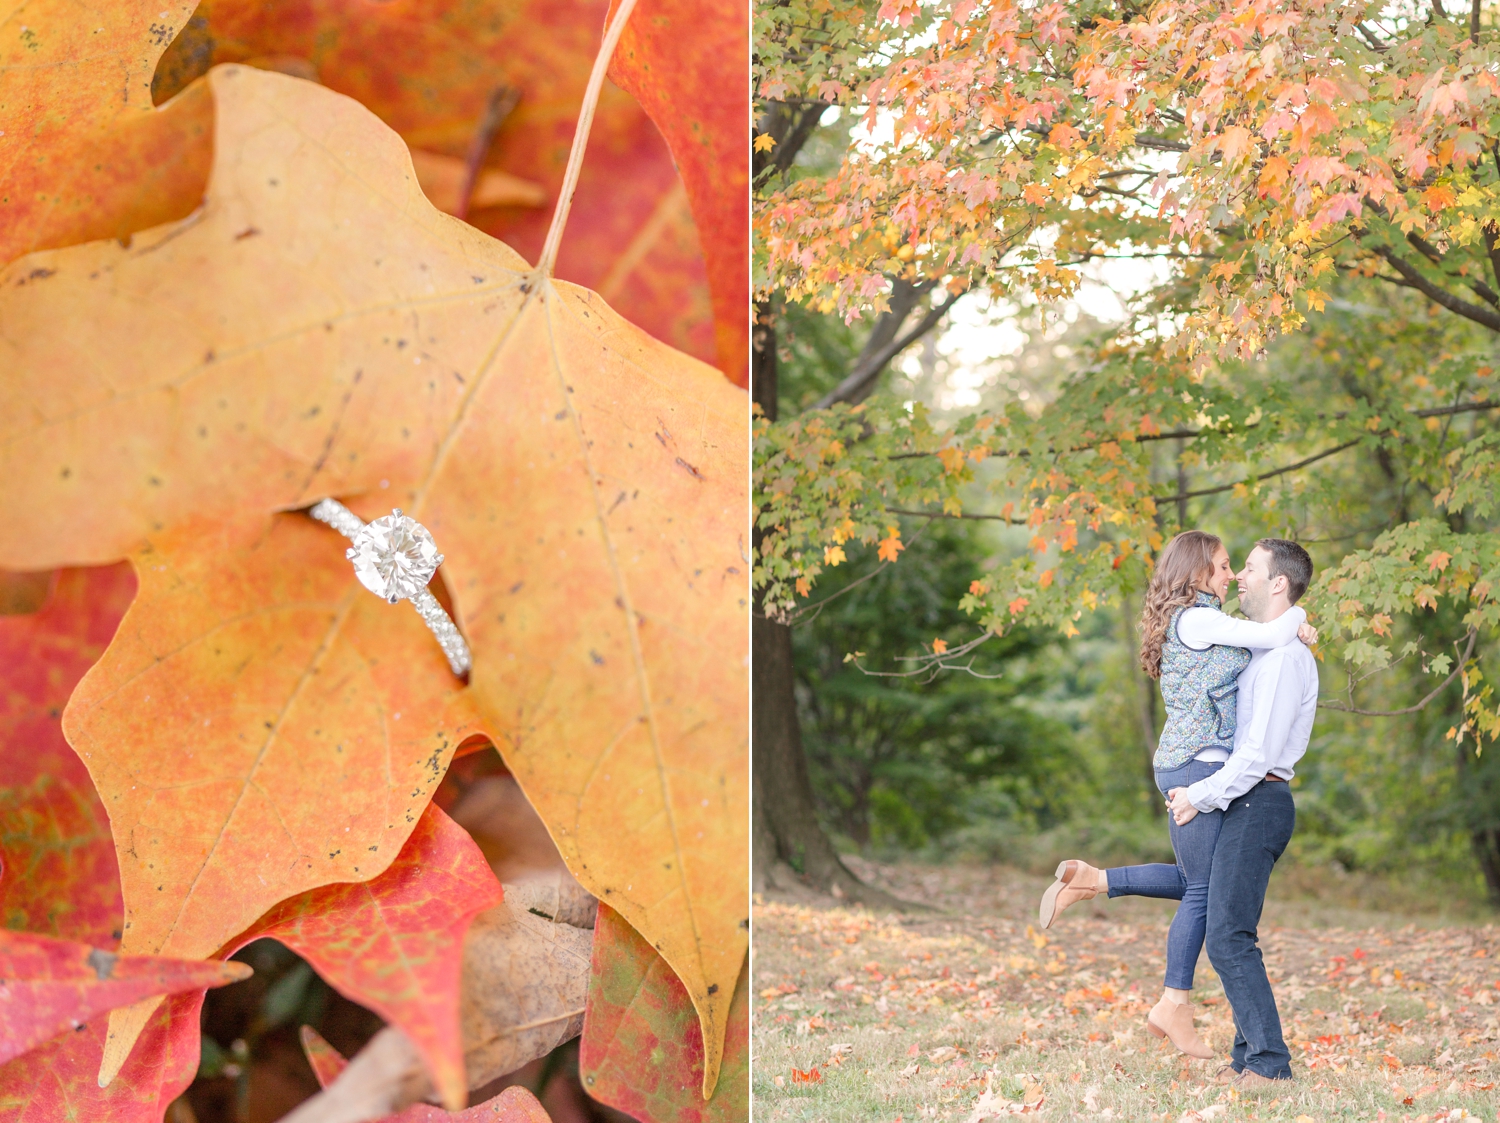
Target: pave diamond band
(395,557)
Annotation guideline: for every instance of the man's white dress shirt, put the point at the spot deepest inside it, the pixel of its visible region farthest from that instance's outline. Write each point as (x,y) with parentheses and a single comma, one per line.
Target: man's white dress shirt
(1278,699)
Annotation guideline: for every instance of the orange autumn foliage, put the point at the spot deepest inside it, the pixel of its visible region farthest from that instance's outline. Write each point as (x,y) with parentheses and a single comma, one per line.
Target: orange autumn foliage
(586,482)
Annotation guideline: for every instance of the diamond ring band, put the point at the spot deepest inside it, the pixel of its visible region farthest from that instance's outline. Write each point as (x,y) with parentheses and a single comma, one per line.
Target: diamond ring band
(395,557)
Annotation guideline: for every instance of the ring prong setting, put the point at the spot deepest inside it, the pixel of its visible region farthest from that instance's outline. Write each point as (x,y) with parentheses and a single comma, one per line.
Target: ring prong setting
(395,558)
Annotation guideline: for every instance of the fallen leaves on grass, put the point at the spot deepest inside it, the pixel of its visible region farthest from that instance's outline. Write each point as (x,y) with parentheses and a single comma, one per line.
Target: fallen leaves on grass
(939,1005)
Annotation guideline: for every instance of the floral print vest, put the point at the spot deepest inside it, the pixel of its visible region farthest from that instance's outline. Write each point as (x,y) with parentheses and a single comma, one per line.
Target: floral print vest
(1200,689)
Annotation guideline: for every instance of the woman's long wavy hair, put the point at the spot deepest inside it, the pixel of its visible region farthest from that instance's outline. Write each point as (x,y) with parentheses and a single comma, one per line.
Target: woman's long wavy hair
(1186,561)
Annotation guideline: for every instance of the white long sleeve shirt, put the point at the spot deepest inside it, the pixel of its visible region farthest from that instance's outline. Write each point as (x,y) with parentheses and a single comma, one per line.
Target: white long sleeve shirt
(1278,699)
(1201,628)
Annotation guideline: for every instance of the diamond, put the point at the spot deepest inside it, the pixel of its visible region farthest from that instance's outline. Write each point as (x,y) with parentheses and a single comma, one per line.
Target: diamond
(394,557)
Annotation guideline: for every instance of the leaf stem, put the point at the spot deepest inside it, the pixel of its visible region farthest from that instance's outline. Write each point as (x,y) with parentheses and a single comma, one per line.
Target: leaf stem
(616,28)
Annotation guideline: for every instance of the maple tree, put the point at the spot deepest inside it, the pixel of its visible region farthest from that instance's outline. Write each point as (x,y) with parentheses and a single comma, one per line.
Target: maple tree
(1272,158)
(252,709)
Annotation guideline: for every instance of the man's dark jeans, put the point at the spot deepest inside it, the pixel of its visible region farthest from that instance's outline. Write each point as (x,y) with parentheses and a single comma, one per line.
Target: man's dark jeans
(1256,829)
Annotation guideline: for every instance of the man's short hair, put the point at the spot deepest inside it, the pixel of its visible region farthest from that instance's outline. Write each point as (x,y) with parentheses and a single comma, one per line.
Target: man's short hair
(1291,561)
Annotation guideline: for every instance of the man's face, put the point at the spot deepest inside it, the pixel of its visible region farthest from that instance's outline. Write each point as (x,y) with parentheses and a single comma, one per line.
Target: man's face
(1254,583)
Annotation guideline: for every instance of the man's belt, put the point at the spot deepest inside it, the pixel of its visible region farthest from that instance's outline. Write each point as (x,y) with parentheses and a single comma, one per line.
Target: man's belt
(1273,778)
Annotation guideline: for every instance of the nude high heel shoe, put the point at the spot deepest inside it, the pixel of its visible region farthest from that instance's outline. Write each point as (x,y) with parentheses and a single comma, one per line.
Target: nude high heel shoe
(1174,1021)
(1076,881)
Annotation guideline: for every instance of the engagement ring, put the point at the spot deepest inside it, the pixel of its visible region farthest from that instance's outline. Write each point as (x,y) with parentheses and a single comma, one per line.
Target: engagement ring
(395,557)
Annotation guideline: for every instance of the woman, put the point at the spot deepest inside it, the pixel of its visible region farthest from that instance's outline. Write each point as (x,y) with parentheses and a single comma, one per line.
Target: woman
(1198,653)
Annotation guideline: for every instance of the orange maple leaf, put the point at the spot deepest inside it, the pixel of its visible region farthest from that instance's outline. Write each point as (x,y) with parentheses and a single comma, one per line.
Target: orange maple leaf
(1064,135)
(321,370)
(891,545)
(939,646)
(632,238)
(1438,197)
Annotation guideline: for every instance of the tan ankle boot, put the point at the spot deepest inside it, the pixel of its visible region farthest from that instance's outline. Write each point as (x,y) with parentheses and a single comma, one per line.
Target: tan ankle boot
(1174,1021)
(1076,881)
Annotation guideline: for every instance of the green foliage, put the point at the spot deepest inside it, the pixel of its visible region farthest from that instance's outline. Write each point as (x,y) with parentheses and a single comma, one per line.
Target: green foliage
(903,762)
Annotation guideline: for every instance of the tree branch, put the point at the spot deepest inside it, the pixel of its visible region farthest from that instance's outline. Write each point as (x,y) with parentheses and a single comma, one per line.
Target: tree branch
(791,128)
(1371,39)
(1434,255)
(881,347)
(1011,519)
(1414,278)
(1175,434)
(1468,651)
(1183,495)
(935,663)
(1160,143)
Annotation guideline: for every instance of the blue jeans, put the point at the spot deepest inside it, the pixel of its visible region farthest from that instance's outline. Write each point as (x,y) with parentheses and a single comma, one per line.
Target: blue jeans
(1257,827)
(1187,881)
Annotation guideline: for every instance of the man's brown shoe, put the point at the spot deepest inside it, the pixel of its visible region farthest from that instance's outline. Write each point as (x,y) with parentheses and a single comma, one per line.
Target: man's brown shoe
(1226,1075)
(1076,881)
(1253,1083)
(1174,1020)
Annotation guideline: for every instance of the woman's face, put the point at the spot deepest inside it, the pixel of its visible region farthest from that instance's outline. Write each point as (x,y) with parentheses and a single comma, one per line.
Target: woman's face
(1219,575)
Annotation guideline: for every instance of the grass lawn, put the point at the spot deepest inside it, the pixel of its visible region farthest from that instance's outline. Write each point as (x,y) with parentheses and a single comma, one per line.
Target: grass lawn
(969,1013)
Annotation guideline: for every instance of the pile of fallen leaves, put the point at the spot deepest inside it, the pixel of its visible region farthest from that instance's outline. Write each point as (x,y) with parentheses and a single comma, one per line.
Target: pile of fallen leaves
(230,289)
(971,1013)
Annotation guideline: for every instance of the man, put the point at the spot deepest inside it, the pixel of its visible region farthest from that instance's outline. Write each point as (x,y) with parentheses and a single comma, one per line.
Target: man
(1278,698)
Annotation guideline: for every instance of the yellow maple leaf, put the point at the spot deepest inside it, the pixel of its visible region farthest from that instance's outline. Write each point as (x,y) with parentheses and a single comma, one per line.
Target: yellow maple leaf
(764,142)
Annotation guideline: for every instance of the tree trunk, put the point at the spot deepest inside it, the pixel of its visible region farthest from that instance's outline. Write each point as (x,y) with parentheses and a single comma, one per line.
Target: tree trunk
(786,822)
(763,389)
(1487,851)
(1485,839)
